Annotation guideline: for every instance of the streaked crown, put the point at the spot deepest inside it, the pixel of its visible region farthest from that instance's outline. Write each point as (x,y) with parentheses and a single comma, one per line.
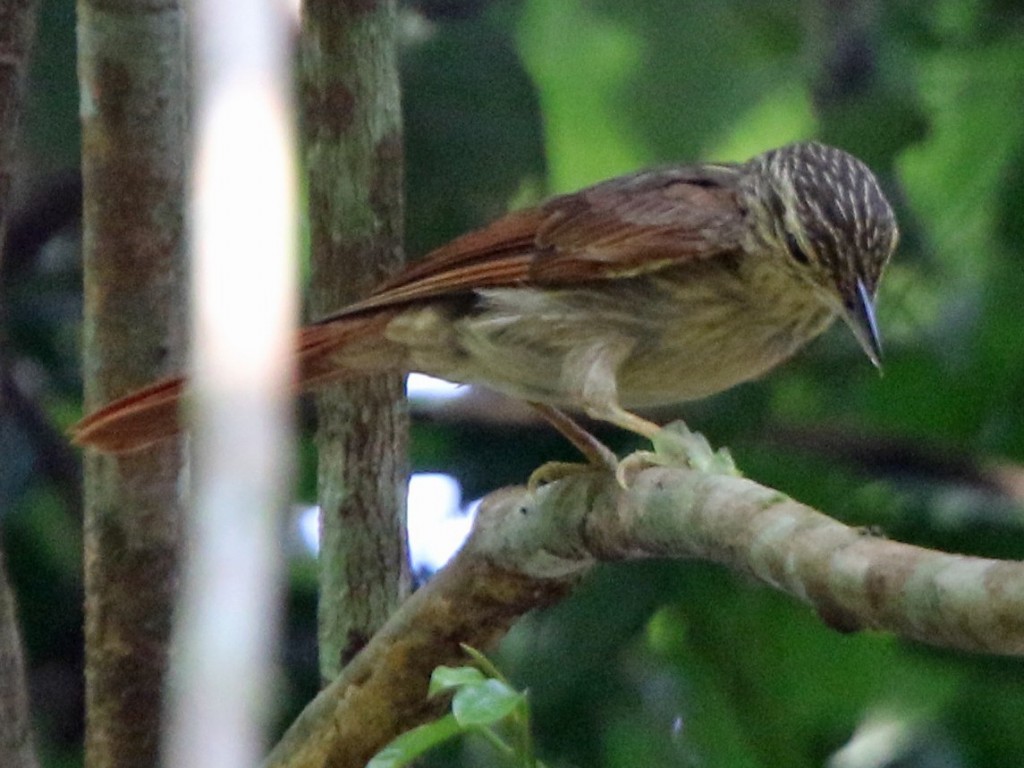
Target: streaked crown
(823,211)
(831,205)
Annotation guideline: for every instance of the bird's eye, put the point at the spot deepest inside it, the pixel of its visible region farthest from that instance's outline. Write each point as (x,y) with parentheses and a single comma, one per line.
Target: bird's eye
(795,250)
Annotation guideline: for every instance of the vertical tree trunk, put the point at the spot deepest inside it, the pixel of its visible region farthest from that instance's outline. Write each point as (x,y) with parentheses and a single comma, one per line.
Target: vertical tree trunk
(17,22)
(133,97)
(16,745)
(17,25)
(353,151)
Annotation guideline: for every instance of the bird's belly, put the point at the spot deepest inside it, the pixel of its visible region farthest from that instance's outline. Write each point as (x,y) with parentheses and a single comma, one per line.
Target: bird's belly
(691,366)
(679,347)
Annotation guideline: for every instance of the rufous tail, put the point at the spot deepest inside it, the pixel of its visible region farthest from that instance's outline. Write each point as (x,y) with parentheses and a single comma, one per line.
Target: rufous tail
(152,414)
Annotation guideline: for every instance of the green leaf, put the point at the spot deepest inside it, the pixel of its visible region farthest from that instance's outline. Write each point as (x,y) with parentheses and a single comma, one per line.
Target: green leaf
(413,744)
(485,703)
(446,678)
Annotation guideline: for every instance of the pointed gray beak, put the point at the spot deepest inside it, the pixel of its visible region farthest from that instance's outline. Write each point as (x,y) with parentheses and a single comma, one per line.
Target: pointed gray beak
(859,314)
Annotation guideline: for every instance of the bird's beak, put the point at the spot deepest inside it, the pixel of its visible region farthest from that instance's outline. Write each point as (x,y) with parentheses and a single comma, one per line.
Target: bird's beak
(859,314)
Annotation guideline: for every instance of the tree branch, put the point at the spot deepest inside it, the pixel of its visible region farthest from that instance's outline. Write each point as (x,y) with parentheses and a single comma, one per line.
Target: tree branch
(528,550)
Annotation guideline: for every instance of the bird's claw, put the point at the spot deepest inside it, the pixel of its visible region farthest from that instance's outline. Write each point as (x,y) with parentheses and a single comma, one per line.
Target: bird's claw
(633,464)
(676,446)
(552,471)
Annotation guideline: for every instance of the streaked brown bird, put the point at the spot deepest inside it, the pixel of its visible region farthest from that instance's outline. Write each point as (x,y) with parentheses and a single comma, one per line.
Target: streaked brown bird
(653,288)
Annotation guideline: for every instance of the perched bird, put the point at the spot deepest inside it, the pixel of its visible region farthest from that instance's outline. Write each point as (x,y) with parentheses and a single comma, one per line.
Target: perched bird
(652,288)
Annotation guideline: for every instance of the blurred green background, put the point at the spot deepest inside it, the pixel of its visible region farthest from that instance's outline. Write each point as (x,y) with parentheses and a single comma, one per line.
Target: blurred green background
(652,664)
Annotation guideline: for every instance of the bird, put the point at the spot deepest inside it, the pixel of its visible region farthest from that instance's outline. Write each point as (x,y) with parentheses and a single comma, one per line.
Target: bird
(657,287)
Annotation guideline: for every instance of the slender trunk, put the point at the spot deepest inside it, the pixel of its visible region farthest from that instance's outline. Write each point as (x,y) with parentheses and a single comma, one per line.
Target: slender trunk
(17,27)
(133,96)
(16,745)
(17,22)
(352,124)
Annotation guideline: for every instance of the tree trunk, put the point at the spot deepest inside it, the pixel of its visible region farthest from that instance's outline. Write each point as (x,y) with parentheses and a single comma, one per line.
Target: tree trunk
(353,152)
(133,97)
(17,22)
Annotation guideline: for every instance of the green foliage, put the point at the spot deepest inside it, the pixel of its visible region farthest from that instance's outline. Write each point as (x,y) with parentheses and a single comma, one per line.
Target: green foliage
(416,743)
(483,704)
(472,130)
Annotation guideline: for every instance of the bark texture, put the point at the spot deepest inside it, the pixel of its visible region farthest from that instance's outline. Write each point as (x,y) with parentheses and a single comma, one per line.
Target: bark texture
(133,97)
(17,23)
(17,27)
(353,153)
(17,749)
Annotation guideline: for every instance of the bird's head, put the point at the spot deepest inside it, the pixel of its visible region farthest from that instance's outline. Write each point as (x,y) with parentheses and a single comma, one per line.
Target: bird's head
(822,211)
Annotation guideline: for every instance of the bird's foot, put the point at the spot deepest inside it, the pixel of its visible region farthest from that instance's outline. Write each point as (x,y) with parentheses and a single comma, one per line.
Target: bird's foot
(599,456)
(676,446)
(552,471)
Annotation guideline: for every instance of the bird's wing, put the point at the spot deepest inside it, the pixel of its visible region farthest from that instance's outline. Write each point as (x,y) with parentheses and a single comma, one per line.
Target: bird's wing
(639,223)
(627,226)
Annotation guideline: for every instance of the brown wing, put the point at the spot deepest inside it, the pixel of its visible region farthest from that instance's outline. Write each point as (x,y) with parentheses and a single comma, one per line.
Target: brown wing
(630,225)
(641,223)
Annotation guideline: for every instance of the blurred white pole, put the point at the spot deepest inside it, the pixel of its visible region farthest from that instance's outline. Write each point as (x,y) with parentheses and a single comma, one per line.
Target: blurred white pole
(243,241)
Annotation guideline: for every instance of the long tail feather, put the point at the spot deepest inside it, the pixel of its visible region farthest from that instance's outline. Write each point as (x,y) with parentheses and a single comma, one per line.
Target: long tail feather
(152,413)
(134,421)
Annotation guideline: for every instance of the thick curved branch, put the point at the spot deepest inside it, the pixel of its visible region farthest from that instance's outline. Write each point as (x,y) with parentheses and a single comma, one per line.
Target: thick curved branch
(529,549)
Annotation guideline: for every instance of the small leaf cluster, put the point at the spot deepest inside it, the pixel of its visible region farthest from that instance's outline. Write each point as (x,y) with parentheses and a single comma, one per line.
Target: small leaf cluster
(484,704)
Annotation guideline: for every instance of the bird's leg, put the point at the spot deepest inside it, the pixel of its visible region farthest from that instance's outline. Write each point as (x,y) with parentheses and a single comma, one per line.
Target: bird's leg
(596,367)
(620,417)
(593,450)
(597,454)
(589,377)
(590,373)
